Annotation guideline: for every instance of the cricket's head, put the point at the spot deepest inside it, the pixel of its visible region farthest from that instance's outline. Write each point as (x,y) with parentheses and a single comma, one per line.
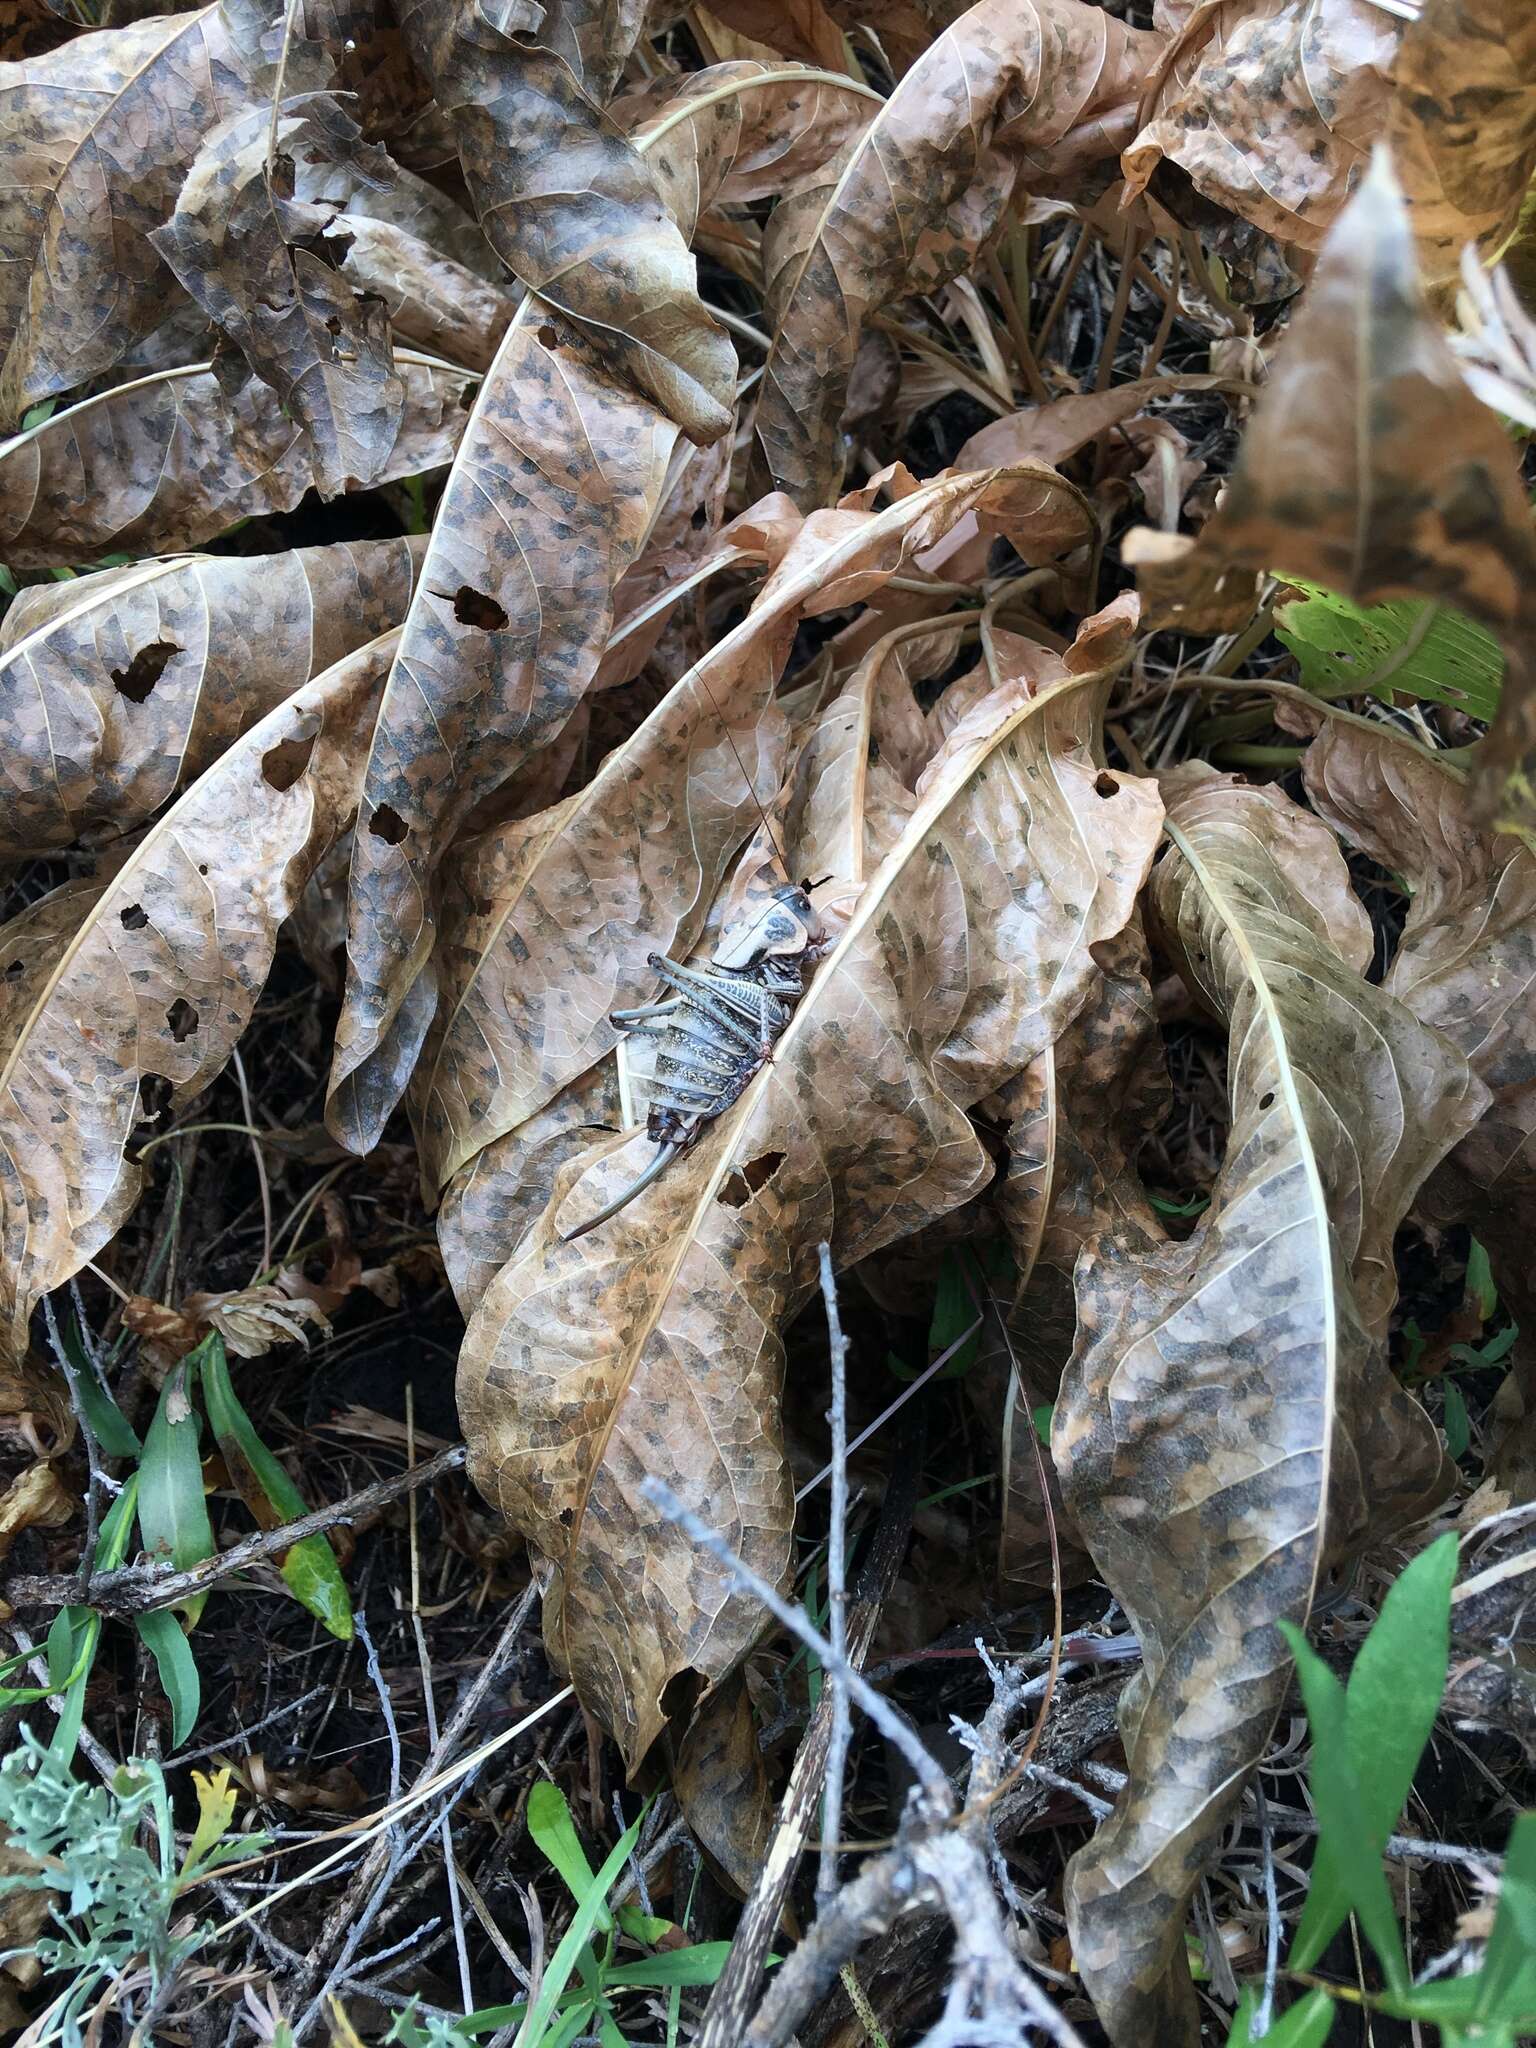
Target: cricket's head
(780,935)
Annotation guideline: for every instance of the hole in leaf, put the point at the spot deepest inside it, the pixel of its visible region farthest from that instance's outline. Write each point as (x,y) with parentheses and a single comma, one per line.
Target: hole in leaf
(742,1183)
(202,867)
(155,1093)
(567,1516)
(282,765)
(472,607)
(145,670)
(16,970)
(1106,785)
(700,518)
(134,918)
(182,1019)
(1267,1101)
(387,824)
(467,397)
(548,338)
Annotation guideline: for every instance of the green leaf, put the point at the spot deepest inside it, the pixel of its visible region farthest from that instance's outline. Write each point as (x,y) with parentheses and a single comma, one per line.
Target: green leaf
(1306,2025)
(573,1942)
(1409,645)
(1458,1424)
(1042,1416)
(167,1642)
(554,1831)
(646,1928)
(85,1622)
(309,1568)
(1393,1697)
(1356,1855)
(954,1312)
(700,1963)
(109,1425)
(1480,1288)
(173,1514)
(1507,1980)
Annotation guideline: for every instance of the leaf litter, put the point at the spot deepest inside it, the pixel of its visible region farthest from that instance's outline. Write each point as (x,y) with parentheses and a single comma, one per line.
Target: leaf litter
(499,497)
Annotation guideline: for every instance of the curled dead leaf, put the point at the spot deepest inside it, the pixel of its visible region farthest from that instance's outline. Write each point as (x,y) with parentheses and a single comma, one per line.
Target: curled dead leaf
(96,139)
(35,1499)
(272,272)
(528,985)
(650,1346)
(1331,483)
(1270,107)
(1228,1425)
(904,207)
(565,200)
(170,460)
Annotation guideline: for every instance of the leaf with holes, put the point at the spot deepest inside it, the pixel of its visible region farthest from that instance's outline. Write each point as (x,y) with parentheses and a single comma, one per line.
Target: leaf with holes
(1228,1426)
(96,139)
(907,204)
(271,271)
(528,978)
(123,995)
(557,487)
(651,1346)
(120,688)
(170,460)
(565,200)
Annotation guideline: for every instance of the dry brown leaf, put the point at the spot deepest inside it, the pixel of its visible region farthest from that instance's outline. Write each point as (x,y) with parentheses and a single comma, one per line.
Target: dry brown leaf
(739,132)
(168,461)
(122,997)
(557,917)
(1332,483)
(1463,126)
(796,28)
(119,688)
(1465,964)
(904,207)
(1228,1425)
(555,486)
(269,270)
(493,1200)
(1270,107)
(35,1499)
(721,1784)
(96,138)
(1052,432)
(564,199)
(1075,1120)
(433,302)
(682,550)
(650,1346)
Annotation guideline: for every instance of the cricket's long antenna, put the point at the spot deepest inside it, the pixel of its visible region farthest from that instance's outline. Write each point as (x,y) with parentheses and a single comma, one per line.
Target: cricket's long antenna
(751,787)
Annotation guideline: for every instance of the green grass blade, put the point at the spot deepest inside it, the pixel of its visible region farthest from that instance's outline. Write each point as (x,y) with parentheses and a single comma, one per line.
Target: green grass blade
(1391,1701)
